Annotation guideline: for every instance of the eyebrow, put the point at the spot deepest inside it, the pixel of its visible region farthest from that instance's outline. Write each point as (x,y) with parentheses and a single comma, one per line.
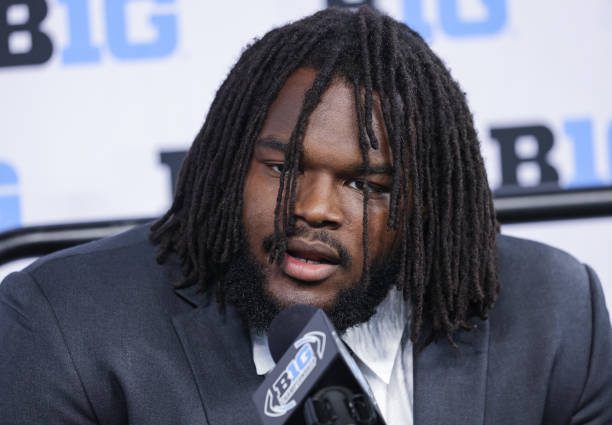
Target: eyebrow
(358,169)
(272,144)
(372,169)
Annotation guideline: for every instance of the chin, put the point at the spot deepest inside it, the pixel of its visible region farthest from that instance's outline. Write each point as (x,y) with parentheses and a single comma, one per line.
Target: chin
(287,292)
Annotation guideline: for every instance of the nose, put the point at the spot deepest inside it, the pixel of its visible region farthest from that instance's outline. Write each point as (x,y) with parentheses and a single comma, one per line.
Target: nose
(317,203)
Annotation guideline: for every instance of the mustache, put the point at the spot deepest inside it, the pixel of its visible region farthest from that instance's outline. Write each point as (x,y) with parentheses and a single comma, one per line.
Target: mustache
(313,235)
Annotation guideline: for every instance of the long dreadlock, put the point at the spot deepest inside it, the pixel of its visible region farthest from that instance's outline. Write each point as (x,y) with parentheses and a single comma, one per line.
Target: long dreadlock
(440,199)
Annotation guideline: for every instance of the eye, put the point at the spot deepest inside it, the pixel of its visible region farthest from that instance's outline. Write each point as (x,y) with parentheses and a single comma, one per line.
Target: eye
(364,185)
(276,167)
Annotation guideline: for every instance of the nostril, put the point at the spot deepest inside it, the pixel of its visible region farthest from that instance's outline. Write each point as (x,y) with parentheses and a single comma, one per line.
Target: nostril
(316,201)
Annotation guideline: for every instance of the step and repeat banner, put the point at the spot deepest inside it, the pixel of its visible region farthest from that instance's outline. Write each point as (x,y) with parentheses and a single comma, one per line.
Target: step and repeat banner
(99,99)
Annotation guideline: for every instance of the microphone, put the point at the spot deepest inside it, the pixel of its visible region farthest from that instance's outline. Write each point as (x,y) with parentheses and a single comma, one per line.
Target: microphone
(286,327)
(315,380)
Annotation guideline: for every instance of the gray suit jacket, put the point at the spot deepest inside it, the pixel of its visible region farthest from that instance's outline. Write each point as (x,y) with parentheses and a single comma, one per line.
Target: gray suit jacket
(97,334)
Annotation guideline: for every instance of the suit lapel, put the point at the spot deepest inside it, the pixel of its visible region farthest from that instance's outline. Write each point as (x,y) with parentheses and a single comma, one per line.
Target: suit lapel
(450,383)
(219,351)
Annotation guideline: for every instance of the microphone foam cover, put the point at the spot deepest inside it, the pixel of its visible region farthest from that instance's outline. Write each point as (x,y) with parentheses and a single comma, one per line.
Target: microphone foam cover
(286,327)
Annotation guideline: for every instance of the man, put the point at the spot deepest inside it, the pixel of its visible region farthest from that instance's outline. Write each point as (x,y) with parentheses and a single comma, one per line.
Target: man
(339,167)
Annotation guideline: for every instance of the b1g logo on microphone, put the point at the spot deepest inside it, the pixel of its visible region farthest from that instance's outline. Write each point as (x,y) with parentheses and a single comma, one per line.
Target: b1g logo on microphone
(279,398)
(132,30)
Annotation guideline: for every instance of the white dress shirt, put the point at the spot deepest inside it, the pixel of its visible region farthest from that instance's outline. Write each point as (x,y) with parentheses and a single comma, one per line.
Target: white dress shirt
(382,350)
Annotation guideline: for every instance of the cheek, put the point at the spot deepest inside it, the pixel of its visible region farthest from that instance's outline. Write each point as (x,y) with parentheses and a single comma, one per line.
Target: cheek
(381,238)
(258,207)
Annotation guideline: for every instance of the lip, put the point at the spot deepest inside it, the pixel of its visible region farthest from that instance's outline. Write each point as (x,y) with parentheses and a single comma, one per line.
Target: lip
(302,270)
(306,272)
(313,250)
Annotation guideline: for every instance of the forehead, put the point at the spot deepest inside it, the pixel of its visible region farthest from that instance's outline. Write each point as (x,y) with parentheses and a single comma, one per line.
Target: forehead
(332,132)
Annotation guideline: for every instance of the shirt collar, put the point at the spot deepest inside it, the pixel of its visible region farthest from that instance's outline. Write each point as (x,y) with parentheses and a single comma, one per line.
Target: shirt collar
(375,343)
(261,353)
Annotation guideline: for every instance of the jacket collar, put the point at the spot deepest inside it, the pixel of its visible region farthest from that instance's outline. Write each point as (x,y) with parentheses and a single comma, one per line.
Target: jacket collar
(218,348)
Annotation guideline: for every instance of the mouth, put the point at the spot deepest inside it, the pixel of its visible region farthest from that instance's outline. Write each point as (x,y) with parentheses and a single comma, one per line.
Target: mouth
(309,262)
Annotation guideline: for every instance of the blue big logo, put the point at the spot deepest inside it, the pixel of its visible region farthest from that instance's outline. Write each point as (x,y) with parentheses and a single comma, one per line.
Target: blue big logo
(9,199)
(288,382)
(22,20)
(452,23)
(580,132)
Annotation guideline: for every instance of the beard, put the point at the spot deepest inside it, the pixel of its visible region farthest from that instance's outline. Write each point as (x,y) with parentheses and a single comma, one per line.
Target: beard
(244,287)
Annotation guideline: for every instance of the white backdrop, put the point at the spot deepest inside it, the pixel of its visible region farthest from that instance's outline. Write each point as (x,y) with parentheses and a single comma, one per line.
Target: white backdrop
(81,131)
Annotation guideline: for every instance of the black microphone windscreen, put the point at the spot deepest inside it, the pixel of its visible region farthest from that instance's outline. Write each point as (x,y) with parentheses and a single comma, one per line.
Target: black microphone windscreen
(286,327)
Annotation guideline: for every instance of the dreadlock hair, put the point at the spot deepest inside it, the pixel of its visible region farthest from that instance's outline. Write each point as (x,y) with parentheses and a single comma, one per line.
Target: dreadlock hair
(440,199)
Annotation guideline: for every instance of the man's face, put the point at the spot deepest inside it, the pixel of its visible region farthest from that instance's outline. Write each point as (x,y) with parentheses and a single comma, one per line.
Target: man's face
(325,256)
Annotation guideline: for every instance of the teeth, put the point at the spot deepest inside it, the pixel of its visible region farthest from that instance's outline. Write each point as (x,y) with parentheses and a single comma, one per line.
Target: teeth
(306,260)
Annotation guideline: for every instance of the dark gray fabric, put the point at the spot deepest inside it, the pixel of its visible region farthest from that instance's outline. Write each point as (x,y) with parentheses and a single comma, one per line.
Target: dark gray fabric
(97,334)
(544,356)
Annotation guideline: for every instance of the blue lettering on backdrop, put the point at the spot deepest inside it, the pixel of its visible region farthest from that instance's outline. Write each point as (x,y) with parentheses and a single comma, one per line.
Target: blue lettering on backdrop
(10,214)
(414,17)
(117,33)
(451,21)
(453,25)
(81,48)
(581,133)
